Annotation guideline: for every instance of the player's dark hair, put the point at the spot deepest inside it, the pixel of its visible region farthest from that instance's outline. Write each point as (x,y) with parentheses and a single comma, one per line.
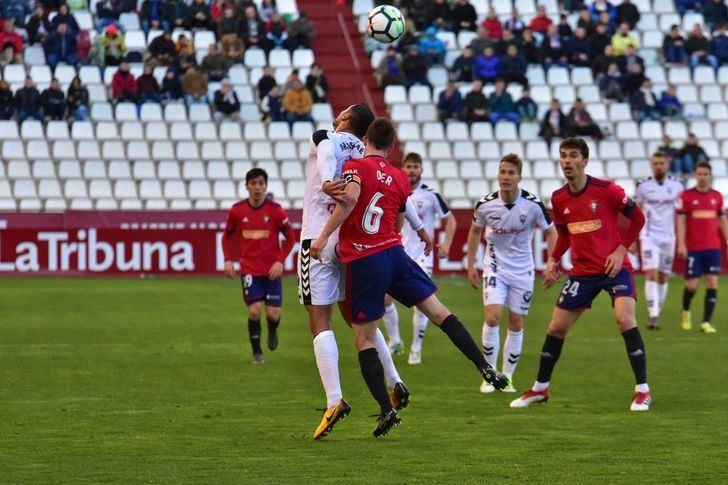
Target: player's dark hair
(575,142)
(659,154)
(381,134)
(703,164)
(255,173)
(413,157)
(361,118)
(514,160)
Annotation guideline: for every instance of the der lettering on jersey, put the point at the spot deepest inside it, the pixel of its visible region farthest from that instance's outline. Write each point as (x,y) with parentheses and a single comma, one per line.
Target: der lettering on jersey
(702,210)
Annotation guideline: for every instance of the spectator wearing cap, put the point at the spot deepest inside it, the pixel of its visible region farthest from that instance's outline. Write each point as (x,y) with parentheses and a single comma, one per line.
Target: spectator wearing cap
(697,48)
(194,86)
(541,21)
(148,87)
(114,47)
(275,31)
(297,103)
(53,101)
(553,124)
(414,66)
(486,66)
(7,104)
(644,103)
(715,12)
(512,67)
(450,103)
(719,45)
(77,100)
(622,39)
(27,101)
(463,16)
(226,102)
(526,107)
(432,48)
(501,105)
(61,47)
(669,105)
(215,65)
(198,16)
(162,49)
(553,50)
(464,66)
(476,104)
(11,44)
(602,6)
(301,32)
(580,123)
(123,85)
(627,12)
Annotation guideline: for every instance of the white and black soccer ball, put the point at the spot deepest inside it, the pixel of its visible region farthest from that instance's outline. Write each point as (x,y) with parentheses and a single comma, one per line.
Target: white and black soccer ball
(386,24)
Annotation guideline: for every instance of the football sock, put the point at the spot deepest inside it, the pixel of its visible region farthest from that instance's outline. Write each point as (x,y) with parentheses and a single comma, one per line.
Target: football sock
(652,295)
(419,324)
(512,352)
(550,353)
(641,388)
(373,373)
(273,324)
(491,344)
(254,335)
(663,294)
(390,371)
(687,298)
(459,335)
(710,297)
(391,323)
(636,353)
(327,361)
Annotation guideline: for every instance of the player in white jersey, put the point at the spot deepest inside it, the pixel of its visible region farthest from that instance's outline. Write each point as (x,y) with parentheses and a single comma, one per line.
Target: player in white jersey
(319,279)
(430,207)
(509,216)
(657,196)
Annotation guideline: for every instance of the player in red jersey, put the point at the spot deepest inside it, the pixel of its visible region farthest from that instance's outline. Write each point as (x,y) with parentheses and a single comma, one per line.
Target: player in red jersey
(372,214)
(585,212)
(700,210)
(259,221)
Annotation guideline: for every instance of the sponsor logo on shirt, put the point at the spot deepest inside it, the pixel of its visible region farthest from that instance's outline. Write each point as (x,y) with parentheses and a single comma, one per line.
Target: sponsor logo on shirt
(595,205)
(704,214)
(255,234)
(522,218)
(567,211)
(584,226)
(499,231)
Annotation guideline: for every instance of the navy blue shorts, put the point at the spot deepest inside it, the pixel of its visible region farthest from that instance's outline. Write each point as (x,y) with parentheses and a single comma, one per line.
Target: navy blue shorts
(390,271)
(702,262)
(260,288)
(580,291)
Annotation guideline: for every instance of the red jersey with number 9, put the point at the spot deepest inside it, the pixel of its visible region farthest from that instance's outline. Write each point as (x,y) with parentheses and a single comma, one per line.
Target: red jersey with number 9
(371,226)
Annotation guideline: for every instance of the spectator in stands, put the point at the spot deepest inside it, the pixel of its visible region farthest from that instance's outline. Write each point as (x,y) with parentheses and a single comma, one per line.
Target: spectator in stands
(83,45)
(631,57)
(317,84)
(148,87)
(297,103)
(501,105)
(390,72)
(419,13)
(580,123)
(439,15)
(622,39)
(194,86)
(486,66)
(301,32)
(114,47)
(162,49)
(27,101)
(450,103)
(226,102)
(215,65)
(526,107)
(233,48)
(184,60)
(610,83)
(690,154)
(38,27)
(602,6)
(198,16)
(481,40)
(512,67)
(61,47)
(463,16)
(16,10)
(564,28)
(628,13)
(53,101)
(673,46)
(65,17)
(77,100)
(670,152)
(217,7)
(272,105)
(553,51)
(266,82)
(670,106)
(719,45)
(541,21)
(586,22)
(154,14)
(553,124)
(227,24)
(11,44)
(644,103)
(414,66)
(7,104)
(107,13)
(464,66)
(514,23)
(529,48)
(715,12)
(177,11)
(96,53)
(601,62)
(123,85)
(683,6)
(275,31)
(171,85)
(267,9)
(633,79)
(599,39)
(578,49)
(476,104)
(501,45)
(493,25)
(697,48)
(182,42)
(432,48)
(252,29)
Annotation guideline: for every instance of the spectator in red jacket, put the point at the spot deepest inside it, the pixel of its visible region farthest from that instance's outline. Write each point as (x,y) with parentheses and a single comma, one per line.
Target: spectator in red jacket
(541,21)
(493,25)
(123,85)
(11,44)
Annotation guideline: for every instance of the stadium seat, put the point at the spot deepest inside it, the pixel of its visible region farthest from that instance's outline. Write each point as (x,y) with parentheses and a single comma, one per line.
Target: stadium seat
(406,131)
(175,112)
(634,149)
(419,94)
(506,131)
(481,131)
(651,130)
(94,169)
(432,131)
(111,150)
(557,76)
(464,150)
(17,169)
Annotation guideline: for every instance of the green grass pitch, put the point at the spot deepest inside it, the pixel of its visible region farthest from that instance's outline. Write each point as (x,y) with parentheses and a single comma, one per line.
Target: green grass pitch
(129,381)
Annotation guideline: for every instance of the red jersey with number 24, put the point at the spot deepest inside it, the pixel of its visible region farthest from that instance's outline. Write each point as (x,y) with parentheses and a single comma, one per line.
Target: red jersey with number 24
(371,226)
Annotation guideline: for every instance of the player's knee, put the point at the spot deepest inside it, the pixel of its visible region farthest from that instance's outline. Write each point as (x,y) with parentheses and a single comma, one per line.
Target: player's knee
(272,313)
(388,300)
(691,285)
(662,278)
(254,311)
(515,322)
(711,282)
(625,321)
(651,275)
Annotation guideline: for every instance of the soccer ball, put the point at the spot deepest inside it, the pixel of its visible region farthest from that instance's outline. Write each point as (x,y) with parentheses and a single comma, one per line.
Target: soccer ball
(386,24)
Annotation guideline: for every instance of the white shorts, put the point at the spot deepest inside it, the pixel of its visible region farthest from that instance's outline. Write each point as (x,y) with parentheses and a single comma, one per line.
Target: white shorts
(425,264)
(516,298)
(657,256)
(319,280)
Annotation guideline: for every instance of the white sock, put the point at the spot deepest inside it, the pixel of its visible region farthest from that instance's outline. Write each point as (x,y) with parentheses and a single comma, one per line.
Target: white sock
(512,352)
(540,386)
(419,325)
(327,361)
(641,388)
(391,323)
(663,293)
(390,371)
(491,344)
(652,295)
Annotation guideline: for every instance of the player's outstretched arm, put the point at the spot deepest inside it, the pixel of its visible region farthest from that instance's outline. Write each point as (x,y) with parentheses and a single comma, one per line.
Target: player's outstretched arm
(473,242)
(227,246)
(451,225)
(341,212)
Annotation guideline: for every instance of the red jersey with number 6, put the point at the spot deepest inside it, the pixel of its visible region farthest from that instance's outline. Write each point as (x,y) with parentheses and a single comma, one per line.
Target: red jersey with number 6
(371,226)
